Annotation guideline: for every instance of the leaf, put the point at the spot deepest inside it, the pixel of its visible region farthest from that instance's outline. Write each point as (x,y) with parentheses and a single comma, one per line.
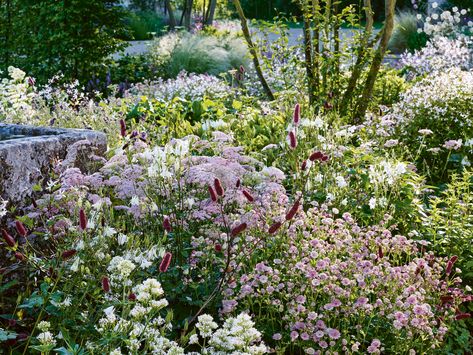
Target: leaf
(8,285)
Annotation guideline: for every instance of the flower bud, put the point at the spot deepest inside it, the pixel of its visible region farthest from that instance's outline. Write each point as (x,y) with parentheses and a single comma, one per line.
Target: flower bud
(450,264)
(248,196)
(274,228)
(292,140)
(292,212)
(461,315)
(163,267)
(8,238)
(19,256)
(132,297)
(218,187)
(68,254)
(238,183)
(297,114)
(218,248)
(82,219)
(106,284)
(316,156)
(167,224)
(238,229)
(304,165)
(122,128)
(213,195)
(20,228)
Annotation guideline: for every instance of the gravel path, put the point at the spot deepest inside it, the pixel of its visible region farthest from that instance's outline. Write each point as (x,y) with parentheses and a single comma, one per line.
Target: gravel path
(295,37)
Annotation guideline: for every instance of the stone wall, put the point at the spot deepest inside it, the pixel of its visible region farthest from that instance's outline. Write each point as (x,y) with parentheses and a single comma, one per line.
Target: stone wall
(25,162)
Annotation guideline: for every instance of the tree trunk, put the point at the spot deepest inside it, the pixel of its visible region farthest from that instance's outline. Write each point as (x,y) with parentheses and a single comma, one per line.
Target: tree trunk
(209,17)
(362,104)
(251,46)
(358,67)
(170,10)
(308,61)
(188,14)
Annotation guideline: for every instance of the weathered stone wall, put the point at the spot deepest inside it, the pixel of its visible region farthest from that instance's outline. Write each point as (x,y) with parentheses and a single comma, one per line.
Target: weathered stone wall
(27,161)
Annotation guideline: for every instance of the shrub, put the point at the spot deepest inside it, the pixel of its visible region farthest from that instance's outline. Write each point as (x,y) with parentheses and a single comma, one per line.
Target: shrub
(441,100)
(75,37)
(406,36)
(144,25)
(199,54)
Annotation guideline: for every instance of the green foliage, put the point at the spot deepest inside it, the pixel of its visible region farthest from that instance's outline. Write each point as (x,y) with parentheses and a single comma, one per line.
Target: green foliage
(75,37)
(405,35)
(144,25)
(448,223)
(204,54)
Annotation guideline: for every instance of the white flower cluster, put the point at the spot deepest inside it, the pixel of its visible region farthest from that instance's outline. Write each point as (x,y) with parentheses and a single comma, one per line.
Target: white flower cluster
(447,23)
(166,162)
(440,53)
(3,207)
(46,337)
(142,325)
(120,268)
(386,172)
(16,97)
(190,87)
(236,336)
(435,94)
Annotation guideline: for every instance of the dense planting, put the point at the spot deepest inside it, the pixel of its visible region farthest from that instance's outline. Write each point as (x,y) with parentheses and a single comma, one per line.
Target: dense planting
(220,222)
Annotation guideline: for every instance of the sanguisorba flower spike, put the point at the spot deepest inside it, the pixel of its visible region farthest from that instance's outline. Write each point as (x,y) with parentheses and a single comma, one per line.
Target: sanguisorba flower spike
(218,187)
(238,229)
(122,128)
(8,238)
(106,284)
(163,267)
(274,227)
(248,196)
(292,212)
(68,254)
(450,264)
(297,114)
(20,228)
(292,140)
(213,195)
(82,220)
(167,224)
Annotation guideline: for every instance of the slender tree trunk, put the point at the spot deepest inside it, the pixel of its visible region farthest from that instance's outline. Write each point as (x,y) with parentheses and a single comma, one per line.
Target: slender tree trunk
(362,105)
(308,60)
(188,14)
(362,51)
(316,43)
(209,17)
(170,10)
(252,48)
